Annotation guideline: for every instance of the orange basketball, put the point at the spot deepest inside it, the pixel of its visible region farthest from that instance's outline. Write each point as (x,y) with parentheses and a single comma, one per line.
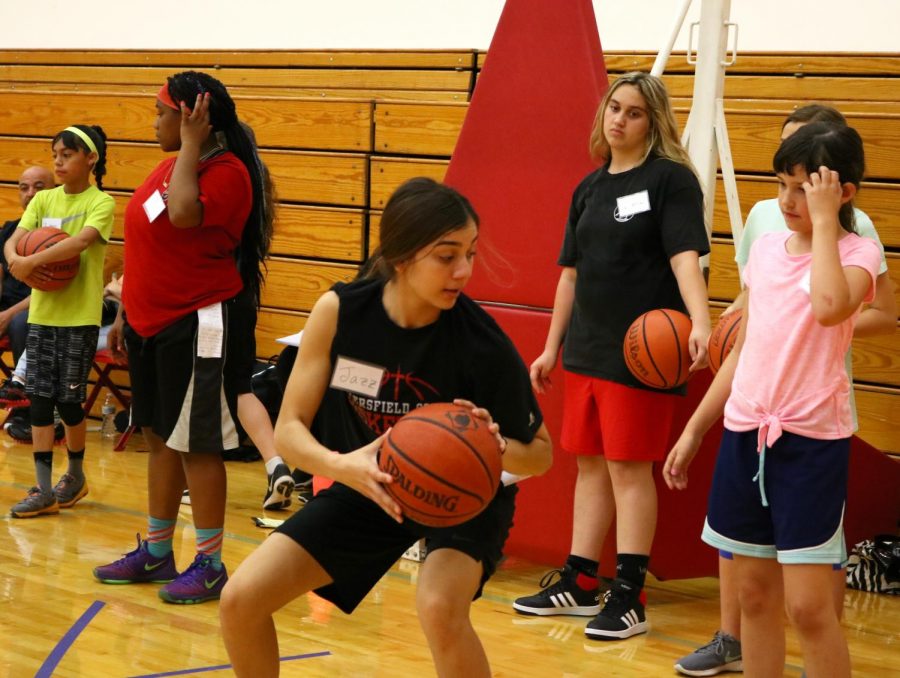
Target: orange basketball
(722,339)
(445,463)
(656,348)
(62,272)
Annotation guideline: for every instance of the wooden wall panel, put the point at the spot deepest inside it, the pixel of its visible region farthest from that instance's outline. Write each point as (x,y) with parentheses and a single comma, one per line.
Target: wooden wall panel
(386,174)
(417,129)
(273,324)
(296,284)
(323,233)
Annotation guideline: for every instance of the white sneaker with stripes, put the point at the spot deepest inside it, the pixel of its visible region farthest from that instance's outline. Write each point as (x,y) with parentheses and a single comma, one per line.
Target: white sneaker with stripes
(563,597)
(622,615)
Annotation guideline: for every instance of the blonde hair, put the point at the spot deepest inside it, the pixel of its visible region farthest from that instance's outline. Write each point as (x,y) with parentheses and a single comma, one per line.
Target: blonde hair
(662,136)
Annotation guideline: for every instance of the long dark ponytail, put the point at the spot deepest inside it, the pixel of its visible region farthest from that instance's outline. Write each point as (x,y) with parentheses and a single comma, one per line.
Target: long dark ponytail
(257,234)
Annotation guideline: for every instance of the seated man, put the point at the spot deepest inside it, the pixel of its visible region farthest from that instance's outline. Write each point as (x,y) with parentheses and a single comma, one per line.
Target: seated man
(15,295)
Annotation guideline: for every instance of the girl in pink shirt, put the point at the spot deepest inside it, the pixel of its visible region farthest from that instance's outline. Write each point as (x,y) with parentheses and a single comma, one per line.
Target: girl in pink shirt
(779,488)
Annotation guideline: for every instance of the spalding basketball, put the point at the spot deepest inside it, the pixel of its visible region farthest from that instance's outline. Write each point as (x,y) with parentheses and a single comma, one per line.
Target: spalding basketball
(656,348)
(61,272)
(722,339)
(446,464)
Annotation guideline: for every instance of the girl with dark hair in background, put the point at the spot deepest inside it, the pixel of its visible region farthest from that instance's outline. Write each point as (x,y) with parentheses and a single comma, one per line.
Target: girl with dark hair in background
(780,485)
(723,652)
(410,319)
(196,233)
(64,323)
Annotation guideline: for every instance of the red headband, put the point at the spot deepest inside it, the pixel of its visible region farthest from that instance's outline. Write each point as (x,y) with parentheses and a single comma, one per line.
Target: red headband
(166,98)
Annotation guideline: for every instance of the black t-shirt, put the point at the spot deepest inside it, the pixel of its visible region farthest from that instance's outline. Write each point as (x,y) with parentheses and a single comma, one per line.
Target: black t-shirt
(13,290)
(464,354)
(622,230)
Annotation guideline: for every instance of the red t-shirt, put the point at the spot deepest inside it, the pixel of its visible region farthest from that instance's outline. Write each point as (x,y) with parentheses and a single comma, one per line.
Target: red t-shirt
(175,271)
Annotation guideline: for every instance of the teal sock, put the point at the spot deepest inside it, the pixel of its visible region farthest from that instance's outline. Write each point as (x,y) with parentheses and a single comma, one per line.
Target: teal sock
(76,464)
(209,543)
(43,468)
(159,536)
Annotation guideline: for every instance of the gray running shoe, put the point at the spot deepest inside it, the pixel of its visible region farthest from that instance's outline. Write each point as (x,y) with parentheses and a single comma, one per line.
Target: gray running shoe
(69,491)
(722,653)
(36,503)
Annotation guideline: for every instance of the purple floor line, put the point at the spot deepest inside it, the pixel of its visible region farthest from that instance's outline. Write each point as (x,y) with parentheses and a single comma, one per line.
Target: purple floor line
(52,661)
(205,669)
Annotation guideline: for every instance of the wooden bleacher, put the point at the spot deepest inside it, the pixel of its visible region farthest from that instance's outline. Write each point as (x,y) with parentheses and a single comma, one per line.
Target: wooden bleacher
(340,130)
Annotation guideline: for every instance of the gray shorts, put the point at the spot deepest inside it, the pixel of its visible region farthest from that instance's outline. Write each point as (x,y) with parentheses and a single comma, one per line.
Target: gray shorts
(59,361)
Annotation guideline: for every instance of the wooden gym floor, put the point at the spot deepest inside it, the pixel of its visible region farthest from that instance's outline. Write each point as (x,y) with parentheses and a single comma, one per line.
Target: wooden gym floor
(56,620)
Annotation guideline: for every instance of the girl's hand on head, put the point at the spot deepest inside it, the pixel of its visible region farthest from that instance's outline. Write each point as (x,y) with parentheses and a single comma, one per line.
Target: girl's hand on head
(195,125)
(360,471)
(823,197)
(484,415)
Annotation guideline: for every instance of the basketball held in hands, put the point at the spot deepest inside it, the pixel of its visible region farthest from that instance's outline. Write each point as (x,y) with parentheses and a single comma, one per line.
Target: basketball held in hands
(445,462)
(656,348)
(61,272)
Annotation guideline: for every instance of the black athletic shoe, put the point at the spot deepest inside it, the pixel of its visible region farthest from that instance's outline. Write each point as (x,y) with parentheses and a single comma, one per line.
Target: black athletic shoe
(303,485)
(280,489)
(563,597)
(21,432)
(622,615)
(12,393)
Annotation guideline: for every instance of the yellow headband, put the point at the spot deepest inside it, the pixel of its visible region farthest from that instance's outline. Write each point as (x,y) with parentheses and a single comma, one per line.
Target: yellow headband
(81,134)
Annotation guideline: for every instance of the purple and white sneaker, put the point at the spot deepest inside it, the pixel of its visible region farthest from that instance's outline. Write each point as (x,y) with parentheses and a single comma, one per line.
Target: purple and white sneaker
(138,567)
(197,584)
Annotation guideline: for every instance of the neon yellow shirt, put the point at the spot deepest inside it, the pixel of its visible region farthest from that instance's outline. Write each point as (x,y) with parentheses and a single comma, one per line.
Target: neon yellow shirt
(81,301)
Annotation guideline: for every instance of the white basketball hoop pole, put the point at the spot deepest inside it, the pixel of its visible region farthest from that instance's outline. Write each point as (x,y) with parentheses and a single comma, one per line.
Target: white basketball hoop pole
(705,134)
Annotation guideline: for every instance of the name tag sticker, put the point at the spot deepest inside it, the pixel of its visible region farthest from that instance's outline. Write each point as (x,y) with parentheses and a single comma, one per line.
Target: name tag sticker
(154,206)
(357,377)
(804,282)
(51,222)
(210,331)
(635,203)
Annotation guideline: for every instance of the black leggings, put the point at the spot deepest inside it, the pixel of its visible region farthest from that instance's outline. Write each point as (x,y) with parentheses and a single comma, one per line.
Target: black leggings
(72,414)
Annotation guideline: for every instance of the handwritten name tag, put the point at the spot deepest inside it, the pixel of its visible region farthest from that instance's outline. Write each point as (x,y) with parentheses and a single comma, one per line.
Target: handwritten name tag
(210,331)
(357,377)
(51,222)
(635,203)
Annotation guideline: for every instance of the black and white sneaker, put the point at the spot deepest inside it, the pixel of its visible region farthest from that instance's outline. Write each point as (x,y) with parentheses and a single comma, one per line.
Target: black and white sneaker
(280,489)
(622,615)
(303,485)
(563,597)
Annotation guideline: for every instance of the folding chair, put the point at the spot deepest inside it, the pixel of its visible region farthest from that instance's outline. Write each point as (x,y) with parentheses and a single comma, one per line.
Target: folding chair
(4,347)
(104,364)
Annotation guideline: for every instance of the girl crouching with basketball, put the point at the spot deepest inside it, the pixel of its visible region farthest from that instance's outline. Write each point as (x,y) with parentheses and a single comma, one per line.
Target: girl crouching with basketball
(429,342)
(780,483)
(63,324)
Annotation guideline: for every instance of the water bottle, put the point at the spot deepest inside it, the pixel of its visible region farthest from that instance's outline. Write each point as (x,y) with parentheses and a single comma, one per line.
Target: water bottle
(108,418)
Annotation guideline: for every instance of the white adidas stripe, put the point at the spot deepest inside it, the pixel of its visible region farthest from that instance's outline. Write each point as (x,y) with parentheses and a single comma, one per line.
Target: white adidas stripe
(630,618)
(563,599)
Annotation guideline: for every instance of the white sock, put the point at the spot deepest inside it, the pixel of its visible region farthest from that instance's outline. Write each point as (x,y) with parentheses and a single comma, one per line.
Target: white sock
(272,463)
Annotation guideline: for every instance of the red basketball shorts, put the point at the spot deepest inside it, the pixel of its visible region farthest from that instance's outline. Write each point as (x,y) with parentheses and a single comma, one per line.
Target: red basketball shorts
(621,423)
